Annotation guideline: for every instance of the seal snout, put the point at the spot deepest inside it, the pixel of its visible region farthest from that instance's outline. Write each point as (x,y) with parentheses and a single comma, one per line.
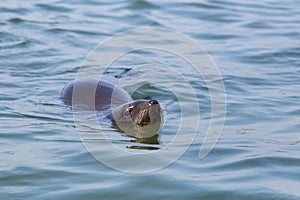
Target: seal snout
(148,111)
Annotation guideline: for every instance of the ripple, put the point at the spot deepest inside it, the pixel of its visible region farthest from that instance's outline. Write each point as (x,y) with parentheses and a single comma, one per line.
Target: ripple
(53,8)
(141,5)
(9,40)
(17,20)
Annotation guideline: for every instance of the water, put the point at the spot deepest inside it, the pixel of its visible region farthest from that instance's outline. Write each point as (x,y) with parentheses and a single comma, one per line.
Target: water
(256,48)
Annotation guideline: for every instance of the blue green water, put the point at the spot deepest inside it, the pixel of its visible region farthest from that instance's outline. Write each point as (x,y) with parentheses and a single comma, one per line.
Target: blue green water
(255,45)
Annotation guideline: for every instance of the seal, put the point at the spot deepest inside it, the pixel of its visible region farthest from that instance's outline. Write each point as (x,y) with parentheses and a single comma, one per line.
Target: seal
(138,118)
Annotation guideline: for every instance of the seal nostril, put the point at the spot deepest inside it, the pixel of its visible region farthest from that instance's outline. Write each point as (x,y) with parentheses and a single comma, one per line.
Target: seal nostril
(153,102)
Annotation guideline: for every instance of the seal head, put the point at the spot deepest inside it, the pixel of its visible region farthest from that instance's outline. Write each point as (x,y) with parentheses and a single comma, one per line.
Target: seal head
(141,118)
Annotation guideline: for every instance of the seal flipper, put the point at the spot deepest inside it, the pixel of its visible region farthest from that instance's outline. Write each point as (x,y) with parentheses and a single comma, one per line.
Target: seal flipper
(123,73)
(148,97)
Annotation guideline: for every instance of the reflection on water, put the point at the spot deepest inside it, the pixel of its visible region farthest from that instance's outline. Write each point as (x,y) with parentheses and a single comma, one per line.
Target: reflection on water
(145,143)
(151,143)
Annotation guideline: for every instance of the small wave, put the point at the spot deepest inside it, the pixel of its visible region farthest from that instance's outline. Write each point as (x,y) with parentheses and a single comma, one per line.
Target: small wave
(8,40)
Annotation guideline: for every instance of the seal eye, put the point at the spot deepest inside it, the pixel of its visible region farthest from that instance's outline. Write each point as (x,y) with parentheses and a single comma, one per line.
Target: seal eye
(128,111)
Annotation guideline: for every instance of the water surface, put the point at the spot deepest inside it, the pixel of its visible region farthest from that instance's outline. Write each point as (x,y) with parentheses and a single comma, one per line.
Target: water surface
(256,48)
